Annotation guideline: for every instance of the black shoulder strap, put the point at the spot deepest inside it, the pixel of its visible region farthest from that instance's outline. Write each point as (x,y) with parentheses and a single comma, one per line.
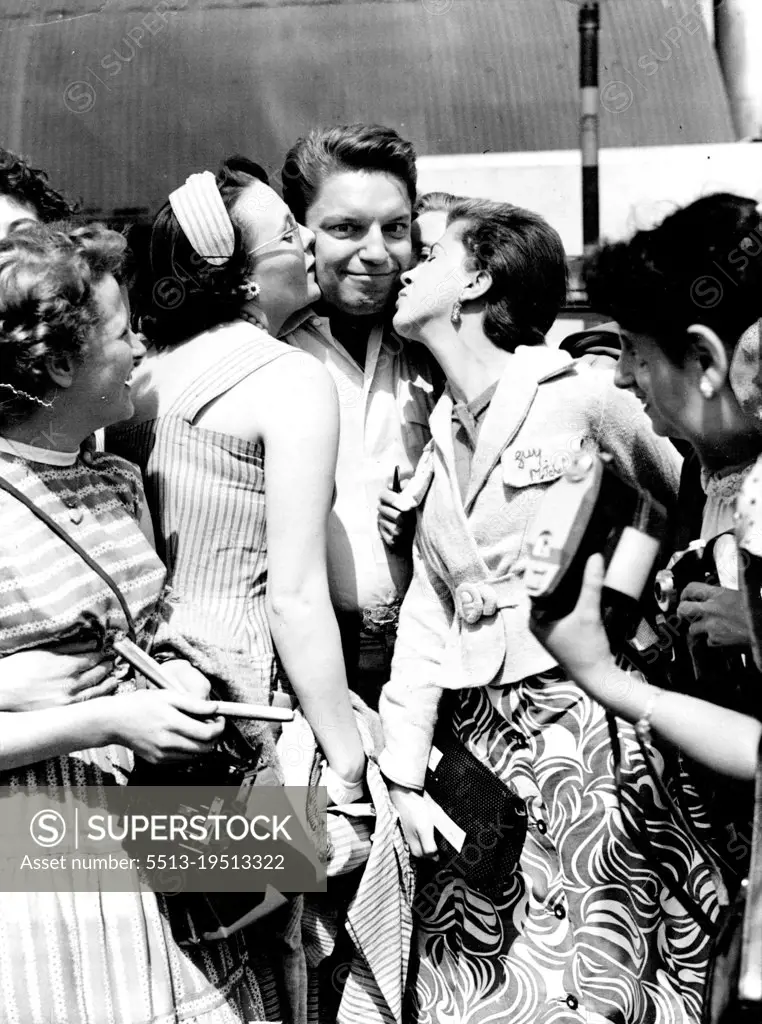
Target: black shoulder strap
(60,532)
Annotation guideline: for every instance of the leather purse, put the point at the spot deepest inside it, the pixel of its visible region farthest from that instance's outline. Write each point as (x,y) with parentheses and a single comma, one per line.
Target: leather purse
(481,823)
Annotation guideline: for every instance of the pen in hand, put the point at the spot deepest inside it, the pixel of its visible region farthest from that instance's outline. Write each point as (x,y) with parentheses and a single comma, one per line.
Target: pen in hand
(151,669)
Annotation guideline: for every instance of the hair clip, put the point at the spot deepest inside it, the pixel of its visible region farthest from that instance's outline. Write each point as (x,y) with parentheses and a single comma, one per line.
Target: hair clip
(248,290)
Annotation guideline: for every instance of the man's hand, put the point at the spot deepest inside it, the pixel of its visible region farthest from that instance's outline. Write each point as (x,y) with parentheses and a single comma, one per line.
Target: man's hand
(396,522)
(716,613)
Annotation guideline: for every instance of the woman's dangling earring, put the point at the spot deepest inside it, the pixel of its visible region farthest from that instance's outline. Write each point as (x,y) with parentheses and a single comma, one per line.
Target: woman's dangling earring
(455,313)
(248,290)
(706,388)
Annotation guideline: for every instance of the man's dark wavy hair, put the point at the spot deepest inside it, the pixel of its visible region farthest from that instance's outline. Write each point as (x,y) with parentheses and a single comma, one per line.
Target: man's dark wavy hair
(29,186)
(349,147)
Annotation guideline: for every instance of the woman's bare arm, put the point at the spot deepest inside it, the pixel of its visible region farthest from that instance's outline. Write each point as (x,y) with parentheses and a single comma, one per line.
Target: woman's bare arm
(160,726)
(298,412)
(723,740)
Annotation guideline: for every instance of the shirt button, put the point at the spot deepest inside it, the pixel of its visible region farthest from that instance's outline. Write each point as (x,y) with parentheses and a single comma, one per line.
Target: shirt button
(76,516)
(572,1002)
(559,911)
(542,828)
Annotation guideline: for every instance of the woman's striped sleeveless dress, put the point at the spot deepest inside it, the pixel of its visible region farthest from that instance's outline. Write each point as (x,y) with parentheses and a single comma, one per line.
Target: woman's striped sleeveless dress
(206,493)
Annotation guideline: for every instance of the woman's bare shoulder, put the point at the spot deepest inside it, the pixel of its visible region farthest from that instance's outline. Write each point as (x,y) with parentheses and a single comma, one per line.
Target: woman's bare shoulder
(298,373)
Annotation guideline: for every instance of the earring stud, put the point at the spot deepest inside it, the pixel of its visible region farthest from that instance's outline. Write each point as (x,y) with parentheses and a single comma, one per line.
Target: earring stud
(706,388)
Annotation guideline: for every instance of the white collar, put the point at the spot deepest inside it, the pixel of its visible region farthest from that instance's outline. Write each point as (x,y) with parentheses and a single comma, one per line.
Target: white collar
(298,319)
(31,453)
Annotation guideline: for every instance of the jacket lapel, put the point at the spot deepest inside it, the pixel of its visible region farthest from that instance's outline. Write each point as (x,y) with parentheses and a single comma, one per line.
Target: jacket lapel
(509,408)
(440,425)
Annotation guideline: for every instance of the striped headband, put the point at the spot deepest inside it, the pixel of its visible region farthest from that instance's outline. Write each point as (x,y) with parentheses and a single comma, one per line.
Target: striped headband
(201,214)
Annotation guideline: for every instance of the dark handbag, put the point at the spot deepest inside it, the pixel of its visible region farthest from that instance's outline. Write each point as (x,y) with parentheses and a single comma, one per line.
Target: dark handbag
(487,820)
(234,762)
(733,993)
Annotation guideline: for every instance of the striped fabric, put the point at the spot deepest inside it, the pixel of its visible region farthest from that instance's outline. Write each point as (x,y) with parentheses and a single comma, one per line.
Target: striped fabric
(379,917)
(95,957)
(201,214)
(380,921)
(45,587)
(206,493)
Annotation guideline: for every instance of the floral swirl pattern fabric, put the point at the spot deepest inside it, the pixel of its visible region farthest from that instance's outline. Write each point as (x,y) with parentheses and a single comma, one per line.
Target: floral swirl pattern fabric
(587,930)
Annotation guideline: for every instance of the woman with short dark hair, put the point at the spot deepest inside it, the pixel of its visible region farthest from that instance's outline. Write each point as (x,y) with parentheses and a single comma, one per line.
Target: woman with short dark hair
(691,354)
(429,221)
(688,297)
(582,926)
(236,435)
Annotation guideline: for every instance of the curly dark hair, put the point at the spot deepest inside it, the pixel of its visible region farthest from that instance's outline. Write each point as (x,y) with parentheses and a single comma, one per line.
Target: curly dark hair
(29,187)
(526,259)
(47,304)
(175,293)
(701,265)
(350,147)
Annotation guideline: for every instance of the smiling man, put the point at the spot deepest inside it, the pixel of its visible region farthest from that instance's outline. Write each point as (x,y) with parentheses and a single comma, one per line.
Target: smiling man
(354,186)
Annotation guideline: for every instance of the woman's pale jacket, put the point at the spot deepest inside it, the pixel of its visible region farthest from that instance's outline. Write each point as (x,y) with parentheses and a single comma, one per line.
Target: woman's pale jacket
(464,620)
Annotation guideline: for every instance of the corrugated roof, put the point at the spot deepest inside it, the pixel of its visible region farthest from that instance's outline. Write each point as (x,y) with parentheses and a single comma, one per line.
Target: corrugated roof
(121,100)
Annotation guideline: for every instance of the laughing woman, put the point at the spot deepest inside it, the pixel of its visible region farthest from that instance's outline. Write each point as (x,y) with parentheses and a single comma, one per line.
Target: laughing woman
(66,358)
(691,354)
(583,928)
